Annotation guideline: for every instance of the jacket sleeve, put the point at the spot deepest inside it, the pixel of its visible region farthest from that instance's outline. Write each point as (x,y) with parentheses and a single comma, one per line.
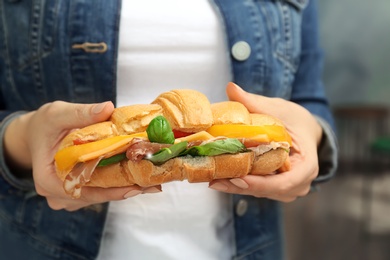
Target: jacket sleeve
(308,91)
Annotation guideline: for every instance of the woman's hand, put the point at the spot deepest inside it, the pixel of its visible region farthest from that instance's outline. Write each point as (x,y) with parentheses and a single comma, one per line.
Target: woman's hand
(306,134)
(32,140)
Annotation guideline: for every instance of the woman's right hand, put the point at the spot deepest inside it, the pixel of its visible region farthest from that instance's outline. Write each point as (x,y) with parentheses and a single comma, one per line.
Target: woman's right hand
(32,140)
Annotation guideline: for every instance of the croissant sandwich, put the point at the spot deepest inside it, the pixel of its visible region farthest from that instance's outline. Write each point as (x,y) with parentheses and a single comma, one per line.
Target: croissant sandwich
(179,136)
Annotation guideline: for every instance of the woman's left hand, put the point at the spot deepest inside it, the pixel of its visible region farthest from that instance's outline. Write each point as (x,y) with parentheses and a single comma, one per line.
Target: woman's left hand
(306,134)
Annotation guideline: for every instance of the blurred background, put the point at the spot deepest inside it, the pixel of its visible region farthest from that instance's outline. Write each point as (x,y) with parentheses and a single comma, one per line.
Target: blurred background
(349,217)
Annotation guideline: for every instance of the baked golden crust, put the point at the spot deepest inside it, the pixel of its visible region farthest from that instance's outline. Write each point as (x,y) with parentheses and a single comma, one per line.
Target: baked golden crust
(230,112)
(135,118)
(90,133)
(269,162)
(263,119)
(186,109)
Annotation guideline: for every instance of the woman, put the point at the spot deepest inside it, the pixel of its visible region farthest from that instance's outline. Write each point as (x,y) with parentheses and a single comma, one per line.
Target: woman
(125,52)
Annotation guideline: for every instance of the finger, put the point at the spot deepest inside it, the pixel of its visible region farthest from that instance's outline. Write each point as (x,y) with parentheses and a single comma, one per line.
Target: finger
(294,182)
(228,187)
(67,204)
(284,186)
(69,115)
(254,103)
(278,186)
(95,195)
(277,107)
(152,189)
(99,195)
(92,195)
(56,203)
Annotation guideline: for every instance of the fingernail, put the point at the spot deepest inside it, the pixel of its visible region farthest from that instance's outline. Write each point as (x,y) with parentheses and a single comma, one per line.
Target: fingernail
(240,183)
(132,193)
(236,86)
(218,186)
(98,108)
(152,190)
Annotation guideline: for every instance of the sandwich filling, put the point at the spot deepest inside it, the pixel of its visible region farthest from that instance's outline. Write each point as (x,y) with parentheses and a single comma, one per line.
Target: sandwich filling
(160,144)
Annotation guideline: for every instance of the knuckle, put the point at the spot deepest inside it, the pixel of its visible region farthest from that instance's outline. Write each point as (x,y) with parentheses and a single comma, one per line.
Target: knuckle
(73,208)
(260,195)
(54,204)
(52,109)
(58,204)
(315,172)
(285,188)
(40,191)
(80,113)
(304,191)
(289,199)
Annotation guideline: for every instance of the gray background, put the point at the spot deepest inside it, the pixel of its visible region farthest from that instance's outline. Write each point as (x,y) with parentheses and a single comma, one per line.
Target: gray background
(355,36)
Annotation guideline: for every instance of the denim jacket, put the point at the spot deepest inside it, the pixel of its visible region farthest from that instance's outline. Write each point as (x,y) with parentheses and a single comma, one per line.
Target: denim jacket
(67,50)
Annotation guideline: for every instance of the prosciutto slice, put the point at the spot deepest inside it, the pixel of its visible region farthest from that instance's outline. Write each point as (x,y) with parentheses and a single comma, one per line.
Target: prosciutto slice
(263,148)
(137,151)
(80,174)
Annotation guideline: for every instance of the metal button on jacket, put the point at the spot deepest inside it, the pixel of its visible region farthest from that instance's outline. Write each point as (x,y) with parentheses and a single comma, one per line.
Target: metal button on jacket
(241,50)
(241,207)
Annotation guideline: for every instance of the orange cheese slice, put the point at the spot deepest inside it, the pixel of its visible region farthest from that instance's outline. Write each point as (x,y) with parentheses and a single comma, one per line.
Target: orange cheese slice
(66,158)
(264,133)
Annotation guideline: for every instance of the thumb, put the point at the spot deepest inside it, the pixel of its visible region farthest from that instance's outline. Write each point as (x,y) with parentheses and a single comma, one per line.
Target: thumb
(73,115)
(254,103)
(234,92)
(273,106)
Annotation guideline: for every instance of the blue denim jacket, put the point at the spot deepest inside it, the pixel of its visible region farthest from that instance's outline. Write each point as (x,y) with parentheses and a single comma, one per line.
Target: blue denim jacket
(42,58)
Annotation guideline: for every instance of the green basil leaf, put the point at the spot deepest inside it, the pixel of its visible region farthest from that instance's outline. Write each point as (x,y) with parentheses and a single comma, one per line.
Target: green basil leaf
(111,160)
(224,146)
(159,131)
(167,153)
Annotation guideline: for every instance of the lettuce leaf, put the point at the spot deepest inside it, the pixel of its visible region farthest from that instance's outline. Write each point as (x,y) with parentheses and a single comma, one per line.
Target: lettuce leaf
(167,153)
(223,146)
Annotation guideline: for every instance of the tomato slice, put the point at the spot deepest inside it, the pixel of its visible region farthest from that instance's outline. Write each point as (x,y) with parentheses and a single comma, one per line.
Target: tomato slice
(79,141)
(179,134)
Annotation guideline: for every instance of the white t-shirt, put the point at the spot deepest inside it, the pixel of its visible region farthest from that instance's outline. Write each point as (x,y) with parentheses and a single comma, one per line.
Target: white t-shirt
(166,45)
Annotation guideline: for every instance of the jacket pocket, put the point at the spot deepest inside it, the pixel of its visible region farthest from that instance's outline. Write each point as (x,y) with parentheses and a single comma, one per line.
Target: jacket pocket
(27,30)
(284,20)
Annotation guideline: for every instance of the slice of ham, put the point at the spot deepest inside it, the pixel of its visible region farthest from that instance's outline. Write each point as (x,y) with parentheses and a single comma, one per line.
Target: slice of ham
(80,174)
(263,148)
(137,151)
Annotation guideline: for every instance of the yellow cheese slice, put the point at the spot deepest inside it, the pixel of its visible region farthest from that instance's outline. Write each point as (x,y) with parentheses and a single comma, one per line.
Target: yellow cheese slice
(66,158)
(264,133)
(200,136)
